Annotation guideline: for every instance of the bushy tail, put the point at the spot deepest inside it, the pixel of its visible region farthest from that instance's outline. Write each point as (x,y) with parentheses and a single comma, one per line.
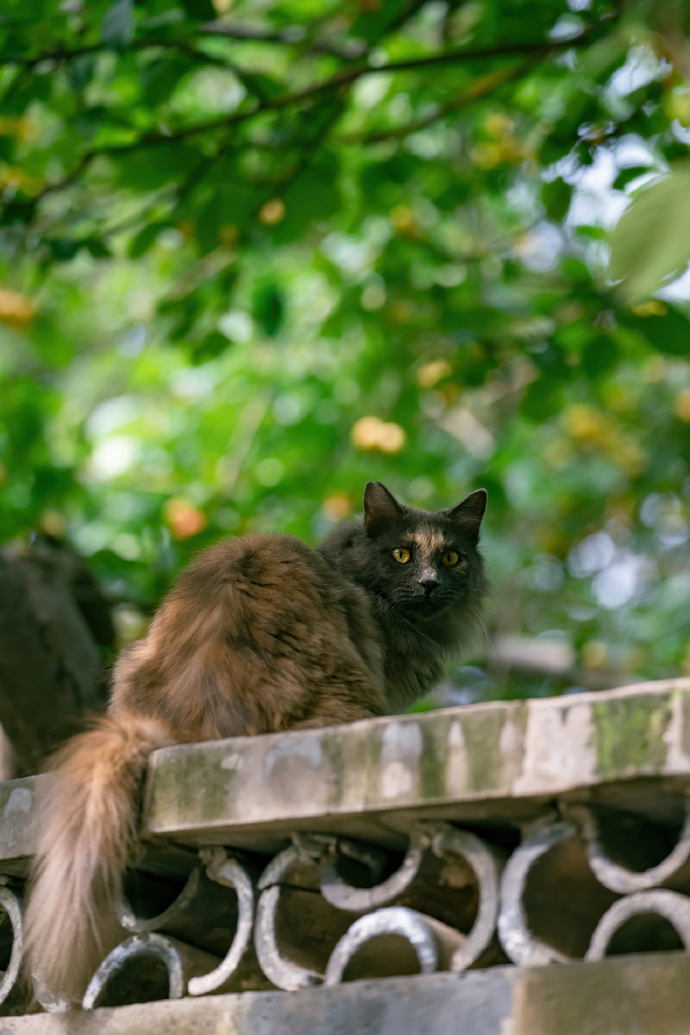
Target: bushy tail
(86,836)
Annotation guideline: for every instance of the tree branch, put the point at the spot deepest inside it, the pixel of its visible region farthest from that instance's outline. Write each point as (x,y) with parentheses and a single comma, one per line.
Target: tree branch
(344,78)
(237,31)
(479,54)
(478,89)
(63,56)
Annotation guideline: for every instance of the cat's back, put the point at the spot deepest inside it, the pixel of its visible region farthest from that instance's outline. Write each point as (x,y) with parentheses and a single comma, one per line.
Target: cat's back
(259,565)
(268,593)
(259,633)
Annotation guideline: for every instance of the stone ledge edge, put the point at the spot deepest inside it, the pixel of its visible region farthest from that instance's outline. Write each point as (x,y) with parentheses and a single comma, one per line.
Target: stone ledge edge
(620,994)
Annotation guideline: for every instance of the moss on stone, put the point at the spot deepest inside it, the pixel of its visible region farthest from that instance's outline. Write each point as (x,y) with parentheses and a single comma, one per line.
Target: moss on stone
(629,732)
(433,761)
(191,783)
(685,712)
(482,732)
(236,783)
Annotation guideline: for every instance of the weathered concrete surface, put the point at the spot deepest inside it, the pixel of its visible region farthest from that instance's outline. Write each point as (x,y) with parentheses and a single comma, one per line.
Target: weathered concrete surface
(369,779)
(624,995)
(372,779)
(631,995)
(18,800)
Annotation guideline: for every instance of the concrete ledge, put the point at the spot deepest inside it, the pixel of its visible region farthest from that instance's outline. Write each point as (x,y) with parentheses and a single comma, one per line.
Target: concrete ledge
(628,748)
(369,779)
(494,767)
(631,995)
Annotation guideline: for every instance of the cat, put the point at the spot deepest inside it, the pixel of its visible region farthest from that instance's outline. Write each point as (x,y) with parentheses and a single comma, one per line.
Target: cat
(260,633)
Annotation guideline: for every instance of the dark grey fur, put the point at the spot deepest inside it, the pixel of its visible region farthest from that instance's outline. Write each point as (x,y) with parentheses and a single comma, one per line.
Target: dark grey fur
(422,625)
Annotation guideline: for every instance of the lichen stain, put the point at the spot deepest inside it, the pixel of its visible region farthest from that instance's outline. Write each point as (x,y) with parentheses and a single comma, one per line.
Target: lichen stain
(676,737)
(483,732)
(401,751)
(629,734)
(685,707)
(186,784)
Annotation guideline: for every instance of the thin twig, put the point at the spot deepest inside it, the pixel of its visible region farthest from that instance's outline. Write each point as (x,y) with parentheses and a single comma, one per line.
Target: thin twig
(62,56)
(341,79)
(474,92)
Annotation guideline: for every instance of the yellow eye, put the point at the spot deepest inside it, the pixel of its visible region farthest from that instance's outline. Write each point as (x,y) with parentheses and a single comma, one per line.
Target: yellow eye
(450,558)
(401,554)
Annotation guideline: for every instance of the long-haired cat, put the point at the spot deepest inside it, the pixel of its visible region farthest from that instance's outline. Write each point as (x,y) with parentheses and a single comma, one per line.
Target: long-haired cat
(260,633)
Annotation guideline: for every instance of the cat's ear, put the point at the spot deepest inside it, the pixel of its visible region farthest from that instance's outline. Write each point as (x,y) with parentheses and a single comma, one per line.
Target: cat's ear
(381,509)
(468,514)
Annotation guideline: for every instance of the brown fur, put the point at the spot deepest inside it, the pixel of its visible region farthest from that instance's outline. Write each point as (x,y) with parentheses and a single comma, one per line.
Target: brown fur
(88,827)
(259,634)
(255,637)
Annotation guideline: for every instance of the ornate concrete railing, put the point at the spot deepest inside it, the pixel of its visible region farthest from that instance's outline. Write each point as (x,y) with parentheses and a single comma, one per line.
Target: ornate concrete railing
(483,842)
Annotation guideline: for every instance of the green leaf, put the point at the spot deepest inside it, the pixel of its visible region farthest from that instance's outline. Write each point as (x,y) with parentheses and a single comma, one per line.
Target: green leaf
(141,243)
(556,197)
(371,22)
(232,204)
(161,76)
(626,175)
(542,399)
(81,71)
(62,248)
(96,247)
(596,233)
(576,270)
(652,239)
(200,10)
(668,332)
(117,27)
(315,194)
(263,85)
(212,345)
(600,356)
(268,306)
(149,168)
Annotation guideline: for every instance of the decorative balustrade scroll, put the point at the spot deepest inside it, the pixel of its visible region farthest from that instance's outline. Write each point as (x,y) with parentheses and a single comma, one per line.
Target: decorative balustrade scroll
(328,909)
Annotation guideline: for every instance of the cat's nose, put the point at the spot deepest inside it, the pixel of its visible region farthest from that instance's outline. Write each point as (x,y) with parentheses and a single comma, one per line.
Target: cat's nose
(428,582)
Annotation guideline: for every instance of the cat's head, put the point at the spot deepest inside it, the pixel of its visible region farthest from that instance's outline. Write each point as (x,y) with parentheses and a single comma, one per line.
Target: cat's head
(420,561)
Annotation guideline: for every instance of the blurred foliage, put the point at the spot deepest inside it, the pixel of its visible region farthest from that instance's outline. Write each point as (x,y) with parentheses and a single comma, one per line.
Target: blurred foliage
(252,255)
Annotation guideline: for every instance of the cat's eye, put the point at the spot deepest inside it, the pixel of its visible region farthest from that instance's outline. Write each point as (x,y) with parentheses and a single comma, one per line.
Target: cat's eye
(401,554)
(450,558)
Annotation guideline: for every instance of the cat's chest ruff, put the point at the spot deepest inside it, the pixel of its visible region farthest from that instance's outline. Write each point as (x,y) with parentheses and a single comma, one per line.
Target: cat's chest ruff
(413,662)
